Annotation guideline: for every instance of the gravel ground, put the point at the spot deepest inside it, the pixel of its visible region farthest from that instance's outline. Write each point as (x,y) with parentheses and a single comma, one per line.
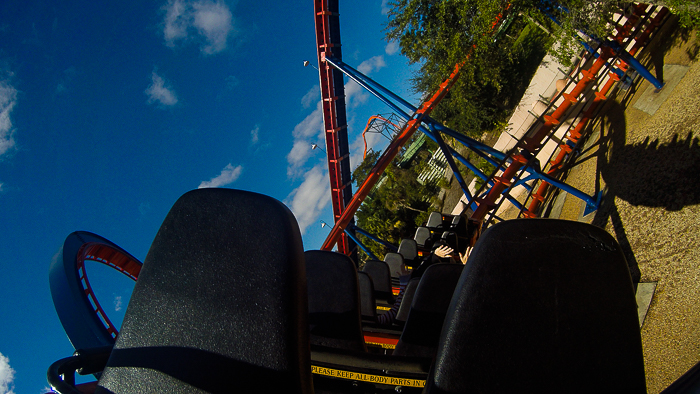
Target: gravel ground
(649,169)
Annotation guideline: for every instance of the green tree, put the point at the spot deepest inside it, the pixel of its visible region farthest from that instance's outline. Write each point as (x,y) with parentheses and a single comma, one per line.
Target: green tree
(396,206)
(437,34)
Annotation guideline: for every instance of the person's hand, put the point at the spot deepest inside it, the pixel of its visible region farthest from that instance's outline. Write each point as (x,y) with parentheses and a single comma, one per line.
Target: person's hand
(444,251)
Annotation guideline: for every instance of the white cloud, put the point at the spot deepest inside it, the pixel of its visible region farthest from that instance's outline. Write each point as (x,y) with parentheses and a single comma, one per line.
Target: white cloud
(255,135)
(228,175)
(160,91)
(311,197)
(314,94)
(7,376)
(176,21)
(214,21)
(8,99)
(392,47)
(306,132)
(355,95)
(209,22)
(385,7)
(312,125)
(372,64)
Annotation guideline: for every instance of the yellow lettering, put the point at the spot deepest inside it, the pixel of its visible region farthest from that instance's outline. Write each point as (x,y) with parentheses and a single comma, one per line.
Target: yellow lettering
(378,379)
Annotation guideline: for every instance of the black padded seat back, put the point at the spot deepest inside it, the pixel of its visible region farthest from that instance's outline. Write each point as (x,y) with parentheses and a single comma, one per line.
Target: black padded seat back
(220,304)
(408,248)
(334,301)
(431,300)
(396,265)
(542,306)
(422,237)
(459,225)
(435,222)
(368,305)
(450,238)
(406,301)
(381,278)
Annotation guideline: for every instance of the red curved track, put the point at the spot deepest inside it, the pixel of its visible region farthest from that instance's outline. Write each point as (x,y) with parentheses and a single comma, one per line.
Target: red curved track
(110,257)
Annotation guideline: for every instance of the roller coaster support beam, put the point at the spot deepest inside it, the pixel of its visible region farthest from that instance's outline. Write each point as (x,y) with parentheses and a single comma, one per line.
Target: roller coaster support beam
(532,143)
(327,24)
(359,243)
(378,91)
(387,156)
(481,149)
(615,45)
(374,238)
(634,63)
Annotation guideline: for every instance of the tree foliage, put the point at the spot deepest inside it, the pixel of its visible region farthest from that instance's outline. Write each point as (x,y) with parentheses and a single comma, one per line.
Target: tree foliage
(437,34)
(396,206)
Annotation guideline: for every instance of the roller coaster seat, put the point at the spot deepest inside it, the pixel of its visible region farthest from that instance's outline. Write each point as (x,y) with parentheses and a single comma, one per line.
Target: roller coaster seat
(334,301)
(542,306)
(220,303)
(395,261)
(408,248)
(436,222)
(381,278)
(422,237)
(406,301)
(427,312)
(368,304)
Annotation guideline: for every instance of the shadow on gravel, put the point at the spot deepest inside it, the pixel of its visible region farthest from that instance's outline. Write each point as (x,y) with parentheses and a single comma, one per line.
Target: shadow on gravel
(651,174)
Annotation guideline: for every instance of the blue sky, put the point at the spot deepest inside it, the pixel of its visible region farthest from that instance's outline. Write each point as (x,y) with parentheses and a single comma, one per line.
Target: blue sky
(109,111)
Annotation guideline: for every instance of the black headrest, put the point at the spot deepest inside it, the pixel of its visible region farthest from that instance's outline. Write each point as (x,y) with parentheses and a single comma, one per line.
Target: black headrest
(422,237)
(435,221)
(408,248)
(394,261)
(220,303)
(406,301)
(379,272)
(334,300)
(459,225)
(368,306)
(542,306)
(449,238)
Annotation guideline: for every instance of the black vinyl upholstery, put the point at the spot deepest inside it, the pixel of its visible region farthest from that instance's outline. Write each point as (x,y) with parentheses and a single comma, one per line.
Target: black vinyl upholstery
(436,222)
(450,238)
(432,297)
(381,278)
(406,302)
(408,248)
(368,305)
(220,305)
(334,301)
(542,306)
(395,262)
(422,237)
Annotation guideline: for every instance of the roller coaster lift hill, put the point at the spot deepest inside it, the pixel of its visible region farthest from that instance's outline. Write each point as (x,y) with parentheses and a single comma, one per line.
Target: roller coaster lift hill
(553,311)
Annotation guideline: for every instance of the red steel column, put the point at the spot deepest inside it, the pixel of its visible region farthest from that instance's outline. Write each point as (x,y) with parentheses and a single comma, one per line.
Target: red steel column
(334,116)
